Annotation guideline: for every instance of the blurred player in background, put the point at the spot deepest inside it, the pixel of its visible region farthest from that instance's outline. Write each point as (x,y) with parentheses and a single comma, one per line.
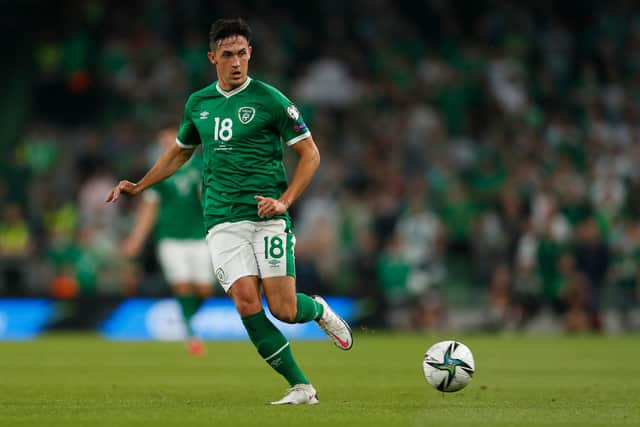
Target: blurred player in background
(174,207)
(241,124)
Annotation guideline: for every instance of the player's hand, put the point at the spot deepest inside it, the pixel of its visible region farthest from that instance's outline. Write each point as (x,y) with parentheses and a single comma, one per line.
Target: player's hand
(123,186)
(269,207)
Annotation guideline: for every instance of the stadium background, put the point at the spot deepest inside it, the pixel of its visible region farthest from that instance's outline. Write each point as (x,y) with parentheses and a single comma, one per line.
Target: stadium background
(477,158)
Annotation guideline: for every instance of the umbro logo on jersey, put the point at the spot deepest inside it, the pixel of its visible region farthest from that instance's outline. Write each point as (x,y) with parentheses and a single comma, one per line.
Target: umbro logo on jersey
(246,114)
(204,115)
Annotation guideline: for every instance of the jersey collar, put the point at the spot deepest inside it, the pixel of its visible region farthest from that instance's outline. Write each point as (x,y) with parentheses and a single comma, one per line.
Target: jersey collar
(239,89)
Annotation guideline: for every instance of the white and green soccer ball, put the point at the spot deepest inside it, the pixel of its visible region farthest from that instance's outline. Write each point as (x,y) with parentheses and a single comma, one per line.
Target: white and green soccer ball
(448,366)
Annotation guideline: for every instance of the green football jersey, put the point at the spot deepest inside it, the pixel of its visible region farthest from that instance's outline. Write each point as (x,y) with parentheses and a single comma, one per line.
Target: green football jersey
(241,133)
(180,208)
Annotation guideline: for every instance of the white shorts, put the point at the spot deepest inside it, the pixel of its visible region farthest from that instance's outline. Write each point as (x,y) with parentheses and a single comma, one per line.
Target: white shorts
(251,248)
(185,260)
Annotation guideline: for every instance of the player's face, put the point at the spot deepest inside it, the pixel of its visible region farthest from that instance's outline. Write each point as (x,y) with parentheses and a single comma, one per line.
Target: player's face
(231,58)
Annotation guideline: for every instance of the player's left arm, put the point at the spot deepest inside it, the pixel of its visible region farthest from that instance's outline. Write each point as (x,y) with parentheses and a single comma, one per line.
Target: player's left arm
(308,162)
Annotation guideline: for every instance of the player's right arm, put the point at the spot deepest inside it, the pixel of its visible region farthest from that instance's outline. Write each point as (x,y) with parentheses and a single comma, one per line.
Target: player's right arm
(169,162)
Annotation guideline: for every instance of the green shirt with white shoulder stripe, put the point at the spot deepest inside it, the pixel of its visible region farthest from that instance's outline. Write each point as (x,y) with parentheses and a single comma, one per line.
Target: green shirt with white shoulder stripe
(242,134)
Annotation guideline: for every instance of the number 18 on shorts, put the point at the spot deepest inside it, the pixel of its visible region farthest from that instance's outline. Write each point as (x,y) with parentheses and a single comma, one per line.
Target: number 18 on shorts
(251,248)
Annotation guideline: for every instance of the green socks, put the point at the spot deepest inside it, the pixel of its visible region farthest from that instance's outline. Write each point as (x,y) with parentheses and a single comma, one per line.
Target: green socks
(189,304)
(308,309)
(273,347)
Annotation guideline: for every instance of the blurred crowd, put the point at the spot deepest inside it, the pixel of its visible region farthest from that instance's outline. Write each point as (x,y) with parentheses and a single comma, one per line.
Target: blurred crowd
(483,149)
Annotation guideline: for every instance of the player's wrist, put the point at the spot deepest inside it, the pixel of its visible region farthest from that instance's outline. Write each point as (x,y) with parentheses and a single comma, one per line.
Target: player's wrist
(286,202)
(136,188)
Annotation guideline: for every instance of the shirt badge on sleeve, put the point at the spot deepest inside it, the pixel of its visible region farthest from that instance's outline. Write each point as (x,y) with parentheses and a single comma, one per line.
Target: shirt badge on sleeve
(293,112)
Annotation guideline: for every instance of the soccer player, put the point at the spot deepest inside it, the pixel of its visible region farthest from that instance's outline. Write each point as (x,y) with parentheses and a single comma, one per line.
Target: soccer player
(241,124)
(174,207)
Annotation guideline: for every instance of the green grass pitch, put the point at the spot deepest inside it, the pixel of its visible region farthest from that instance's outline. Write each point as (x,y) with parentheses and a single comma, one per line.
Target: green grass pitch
(80,380)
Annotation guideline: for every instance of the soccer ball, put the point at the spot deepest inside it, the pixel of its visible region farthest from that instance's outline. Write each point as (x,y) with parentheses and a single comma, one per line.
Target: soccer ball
(448,366)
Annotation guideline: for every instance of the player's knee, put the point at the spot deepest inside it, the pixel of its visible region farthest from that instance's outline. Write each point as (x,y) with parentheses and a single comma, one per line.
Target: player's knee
(284,312)
(247,308)
(246,297)
(247,304)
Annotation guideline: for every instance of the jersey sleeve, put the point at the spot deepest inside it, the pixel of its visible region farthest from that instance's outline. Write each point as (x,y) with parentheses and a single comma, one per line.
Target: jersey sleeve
(289,121)
(188,136)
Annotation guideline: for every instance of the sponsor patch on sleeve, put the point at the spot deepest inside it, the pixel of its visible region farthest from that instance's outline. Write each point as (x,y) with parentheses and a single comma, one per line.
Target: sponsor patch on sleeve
(300,126)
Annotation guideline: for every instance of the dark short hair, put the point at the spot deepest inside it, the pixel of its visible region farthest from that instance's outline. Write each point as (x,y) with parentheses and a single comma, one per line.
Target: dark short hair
(223,28)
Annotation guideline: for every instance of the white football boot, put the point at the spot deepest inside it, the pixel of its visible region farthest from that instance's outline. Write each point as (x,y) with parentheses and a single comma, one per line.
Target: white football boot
(299,394)
(334,326)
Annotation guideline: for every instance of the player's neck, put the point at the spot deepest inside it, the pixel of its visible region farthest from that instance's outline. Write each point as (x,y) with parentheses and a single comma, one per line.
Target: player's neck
(228,87)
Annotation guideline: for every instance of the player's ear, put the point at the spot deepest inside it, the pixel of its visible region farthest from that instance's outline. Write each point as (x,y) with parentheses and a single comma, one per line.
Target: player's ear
(249,50)
(212,57)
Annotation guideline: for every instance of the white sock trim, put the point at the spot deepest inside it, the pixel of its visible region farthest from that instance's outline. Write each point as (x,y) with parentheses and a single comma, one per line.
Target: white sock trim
(266,359)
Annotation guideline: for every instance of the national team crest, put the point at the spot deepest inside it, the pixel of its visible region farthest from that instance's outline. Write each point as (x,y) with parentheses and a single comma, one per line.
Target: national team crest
(246,114)
(221,276)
